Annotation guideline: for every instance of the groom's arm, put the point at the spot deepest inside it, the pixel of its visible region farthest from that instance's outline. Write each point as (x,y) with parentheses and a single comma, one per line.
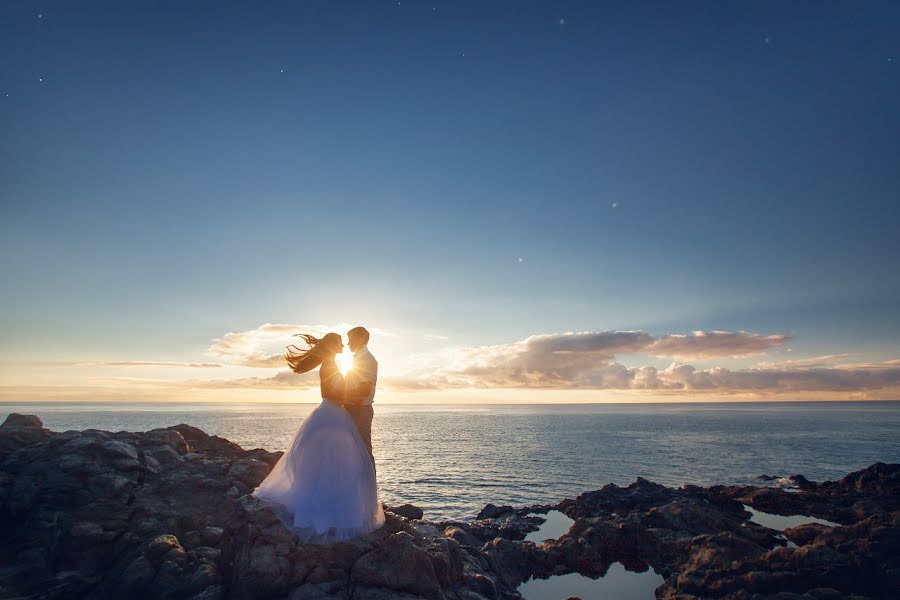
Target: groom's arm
(358,392)
(361,383)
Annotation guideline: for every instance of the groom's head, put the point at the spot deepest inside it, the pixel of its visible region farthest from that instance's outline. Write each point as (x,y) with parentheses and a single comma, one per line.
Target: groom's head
(357,338)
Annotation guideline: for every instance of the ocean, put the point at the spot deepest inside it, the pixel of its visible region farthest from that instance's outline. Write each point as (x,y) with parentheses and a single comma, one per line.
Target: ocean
(452,460)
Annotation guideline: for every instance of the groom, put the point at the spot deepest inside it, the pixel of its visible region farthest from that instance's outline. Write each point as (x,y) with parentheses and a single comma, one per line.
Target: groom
(360,388)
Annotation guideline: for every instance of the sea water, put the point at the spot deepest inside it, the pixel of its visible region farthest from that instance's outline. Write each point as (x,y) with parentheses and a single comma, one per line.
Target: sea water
(452,460)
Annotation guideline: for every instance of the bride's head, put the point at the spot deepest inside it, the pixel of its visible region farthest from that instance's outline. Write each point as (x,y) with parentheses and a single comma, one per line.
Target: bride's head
(320,349)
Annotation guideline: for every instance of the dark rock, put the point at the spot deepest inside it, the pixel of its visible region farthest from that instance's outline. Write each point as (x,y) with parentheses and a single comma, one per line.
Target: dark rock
(249,472)
(213,592)
(165,514)
(407,511)
(328,590)
(398,564)
(802,482)
(17,420)
(805,534)
(462,536)
(492,512)
(161,546)
(171,438)
(208,536)
(19,431)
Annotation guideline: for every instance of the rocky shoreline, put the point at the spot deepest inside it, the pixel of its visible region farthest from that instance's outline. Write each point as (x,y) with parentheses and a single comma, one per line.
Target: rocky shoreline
(166,514)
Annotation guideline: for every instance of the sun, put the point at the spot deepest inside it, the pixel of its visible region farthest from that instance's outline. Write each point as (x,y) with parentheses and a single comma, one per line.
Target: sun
(345,361)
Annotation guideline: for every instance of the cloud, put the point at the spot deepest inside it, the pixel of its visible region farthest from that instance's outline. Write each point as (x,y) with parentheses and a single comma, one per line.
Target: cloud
(264,347)
(836,378)
(281,380)
(555,360)
(715,344)
(814,361)
(149,363)
(431,337)
(564,361)
(677,377)
(588,361)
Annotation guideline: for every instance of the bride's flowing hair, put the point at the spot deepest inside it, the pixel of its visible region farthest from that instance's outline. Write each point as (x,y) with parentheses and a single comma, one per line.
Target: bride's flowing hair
(303,361)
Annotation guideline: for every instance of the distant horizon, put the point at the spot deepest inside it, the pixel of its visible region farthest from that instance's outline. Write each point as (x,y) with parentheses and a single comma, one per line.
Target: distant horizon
(446,404)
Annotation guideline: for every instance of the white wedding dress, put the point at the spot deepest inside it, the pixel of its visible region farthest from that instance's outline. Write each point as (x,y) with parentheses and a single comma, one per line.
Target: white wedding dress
(323,488)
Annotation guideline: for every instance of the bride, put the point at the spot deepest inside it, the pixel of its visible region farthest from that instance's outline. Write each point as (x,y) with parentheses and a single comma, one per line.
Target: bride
(323,488)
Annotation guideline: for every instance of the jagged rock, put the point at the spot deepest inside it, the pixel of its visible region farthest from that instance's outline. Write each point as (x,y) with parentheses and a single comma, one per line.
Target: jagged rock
(18,431)
(492,512)
(171,438)
(249,472)
(17,420)
(208,536)
(407,511)
(802,482)
(805,534)
(398,564)
(462,536)
(165,514)
(367,593)
(213,592)
(328,590)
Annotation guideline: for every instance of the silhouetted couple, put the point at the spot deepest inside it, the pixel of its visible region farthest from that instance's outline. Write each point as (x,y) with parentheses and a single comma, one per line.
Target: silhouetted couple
(323,487)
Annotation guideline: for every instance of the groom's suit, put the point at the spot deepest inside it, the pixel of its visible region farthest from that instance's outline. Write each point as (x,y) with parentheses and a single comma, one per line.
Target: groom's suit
(363,374)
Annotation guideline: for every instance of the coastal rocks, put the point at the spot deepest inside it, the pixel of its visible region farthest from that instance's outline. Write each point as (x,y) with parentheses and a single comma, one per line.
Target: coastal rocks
(18,431)
(167,514)
(407,511)
(265,560)
(398,564)
(492,512)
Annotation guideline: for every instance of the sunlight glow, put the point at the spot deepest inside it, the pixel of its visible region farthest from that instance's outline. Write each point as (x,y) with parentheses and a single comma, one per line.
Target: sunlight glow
(345,361)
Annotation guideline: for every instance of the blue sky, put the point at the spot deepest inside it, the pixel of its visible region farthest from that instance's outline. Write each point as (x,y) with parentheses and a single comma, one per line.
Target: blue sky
(172,172)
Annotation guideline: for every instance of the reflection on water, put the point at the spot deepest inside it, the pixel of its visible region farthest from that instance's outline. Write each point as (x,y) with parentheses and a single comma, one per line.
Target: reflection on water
(781,522)
(617,584)
(556,525)
(452,460)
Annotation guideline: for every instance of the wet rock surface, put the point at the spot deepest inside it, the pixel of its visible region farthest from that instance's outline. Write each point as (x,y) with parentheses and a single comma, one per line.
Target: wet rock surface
(167,514)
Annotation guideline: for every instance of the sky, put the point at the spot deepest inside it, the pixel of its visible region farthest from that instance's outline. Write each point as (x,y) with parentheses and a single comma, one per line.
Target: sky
(524,201)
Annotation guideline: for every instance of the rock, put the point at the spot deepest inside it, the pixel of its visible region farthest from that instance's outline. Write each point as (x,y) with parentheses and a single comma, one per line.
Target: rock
(367,593)
(171,438)
(166,514)
(329,590)
(880,479)
(213,592)
(203,443)
(447,560)
(802,482)
(407,511)
(481,584)
(249,472)
(208,536)
(462,536)
(19,431)
(805,534)
(17,420)
(137,576)
(491,511)
(398,565)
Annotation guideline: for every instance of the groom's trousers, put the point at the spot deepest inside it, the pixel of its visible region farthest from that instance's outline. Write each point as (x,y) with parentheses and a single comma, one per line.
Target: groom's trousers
(362,415)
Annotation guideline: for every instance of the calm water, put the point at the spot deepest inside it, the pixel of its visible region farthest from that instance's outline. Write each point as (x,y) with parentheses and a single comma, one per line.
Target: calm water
(451,461)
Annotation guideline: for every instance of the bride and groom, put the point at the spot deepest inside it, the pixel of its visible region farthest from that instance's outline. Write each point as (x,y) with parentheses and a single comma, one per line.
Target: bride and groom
(323,487)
